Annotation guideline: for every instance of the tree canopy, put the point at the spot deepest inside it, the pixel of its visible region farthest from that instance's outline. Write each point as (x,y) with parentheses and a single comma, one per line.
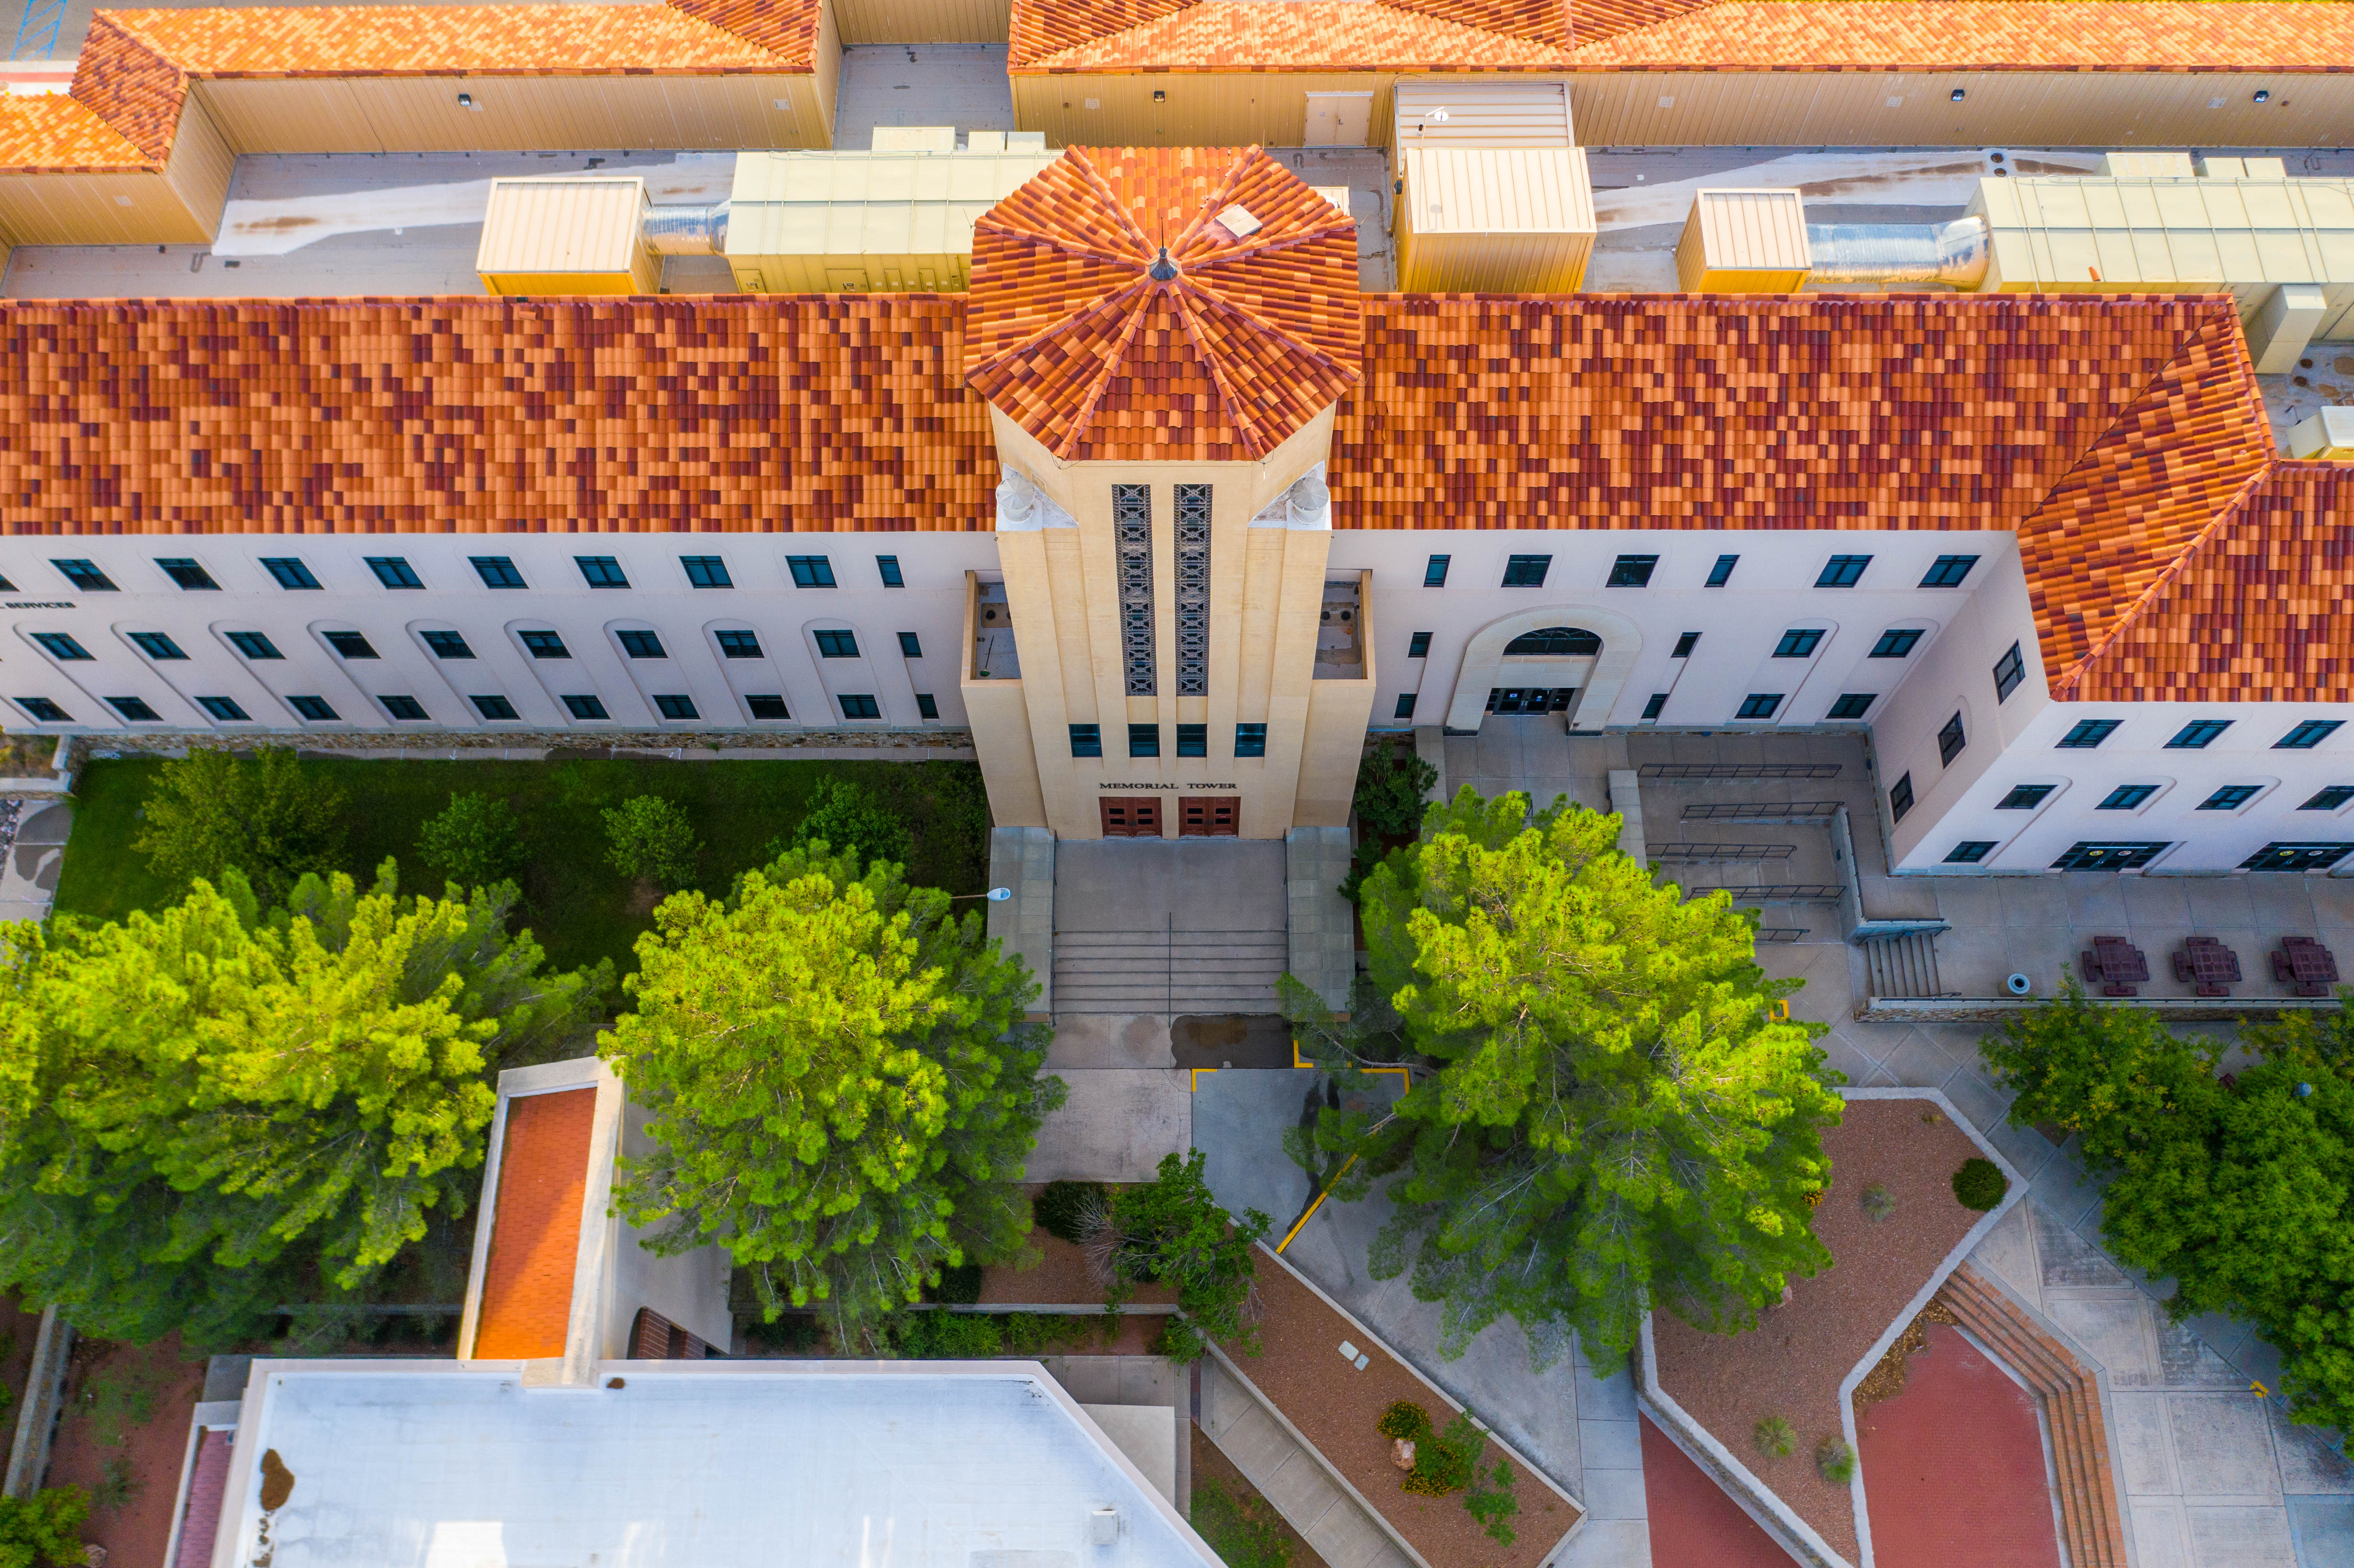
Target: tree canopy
(271,818)
(207,1108)
(840,1085)
(1605,1115)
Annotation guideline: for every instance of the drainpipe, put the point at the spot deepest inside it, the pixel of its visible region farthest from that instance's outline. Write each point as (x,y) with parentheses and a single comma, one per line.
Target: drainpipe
(687,230)
(1956,254)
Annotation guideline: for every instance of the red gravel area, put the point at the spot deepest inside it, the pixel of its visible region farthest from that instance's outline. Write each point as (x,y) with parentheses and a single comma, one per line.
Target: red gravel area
(1791,1365)
(108,1388)
(1694,1524)
(1061,1279)
(1953,1467)
(1334,1406)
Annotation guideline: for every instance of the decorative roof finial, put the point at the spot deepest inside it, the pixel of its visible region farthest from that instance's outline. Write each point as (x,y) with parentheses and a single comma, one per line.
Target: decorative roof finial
(1164,269)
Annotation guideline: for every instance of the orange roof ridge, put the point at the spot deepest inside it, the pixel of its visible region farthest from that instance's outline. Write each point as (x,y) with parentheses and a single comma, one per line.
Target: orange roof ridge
(1591,21)
(1538,21)
(1043,27)
(131,84)
(1295,35)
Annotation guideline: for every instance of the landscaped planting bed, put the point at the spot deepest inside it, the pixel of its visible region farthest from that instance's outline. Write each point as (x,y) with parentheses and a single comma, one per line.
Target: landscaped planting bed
(1061,1278)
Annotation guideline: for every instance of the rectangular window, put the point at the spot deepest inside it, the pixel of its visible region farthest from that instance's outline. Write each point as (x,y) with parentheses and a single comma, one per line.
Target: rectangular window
(1759,705)
(926,707)
(1194,591)
(1899,797)
(136,710)
(1131,529)
(1144,740)
(910,645)
(811,571)
(156,646)
(767,706)
(1721,573)
(1526,571)
(186,574)
(254,646)
(497,571)
(2086,733)
(544,645)
(601,571)
(1950,740)
(2024,797)
(2198,734)
(44,711)
(2329,800)
(2231,798)
(2296,857)
(350,644)
(1852,704)
(290,572)
(1843,571)
(641,645)
(1418,647)
(85,575)
(586,707)
(2308,735)
(1896,644)
(706,571)
(1433,573)
(1969,851)
(2087,856)
(1685,643)
(2125,797)
(1657,705)
(403,707)
(2009,671)
(394,572)
(447,644)
(678,706)
(494,707)
(60,647)
(737,644)
(1192,740)
(1405,705)
(1086,740)
(889,566)
(1798,644)
(860,705)
(313,709)
(837,644)
(1632,571)
(223,709)
(1949,571)
(1250,740)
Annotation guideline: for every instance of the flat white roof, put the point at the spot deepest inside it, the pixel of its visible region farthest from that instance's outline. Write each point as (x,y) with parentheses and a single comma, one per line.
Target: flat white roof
(436,1465)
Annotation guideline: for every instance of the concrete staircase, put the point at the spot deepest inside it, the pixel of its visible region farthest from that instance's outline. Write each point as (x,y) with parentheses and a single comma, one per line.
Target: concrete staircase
(1168,971)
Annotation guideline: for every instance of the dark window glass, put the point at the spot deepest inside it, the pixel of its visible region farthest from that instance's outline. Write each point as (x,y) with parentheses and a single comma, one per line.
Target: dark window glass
(447,645)
(889,566)
(1896,644)
(2086,733)
(494,707)
(767,706)
(1633,571)
(910,645)
(2296,857)
(544,645)
(223,709)
(1949,571)
(860,706)
(1405,705)
(678,706)
(61,646)
(1556,642)
(1086,740)
(1843,571)
(44,711)
(1434,575)
(1899,797)
(136,710)
(738,644)
(1419,647)
(403,707)
(313,708)
(1656,706)
(586,707)
(2230,797)
(1192,740)
(290,572)
(2009,671)
(6,587)
(1950,740)
(811,571)
(1852,704)
(1250,740)
(2024,797)
(927,708)
(641,645)
(837,644)
(1759,705)
(2125,797)
(394,572)
(1798,644)
(2198,734)
(497,571)
(85,575)
(601,571)
(2329,800)
(1721,573)
(185,573)
(254,646)
(2308,735)
(706,571)
(1526,571)
(1969,851)
(1685,643)
(2083,857)
(1144,740)
(350,644)
(155,645)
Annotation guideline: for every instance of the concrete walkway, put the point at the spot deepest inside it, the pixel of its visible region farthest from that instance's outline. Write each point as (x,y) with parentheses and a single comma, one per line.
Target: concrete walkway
(34,854)
(1293,1476)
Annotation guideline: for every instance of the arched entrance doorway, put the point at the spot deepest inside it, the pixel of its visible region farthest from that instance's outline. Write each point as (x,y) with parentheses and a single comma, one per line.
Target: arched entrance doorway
(1571,660)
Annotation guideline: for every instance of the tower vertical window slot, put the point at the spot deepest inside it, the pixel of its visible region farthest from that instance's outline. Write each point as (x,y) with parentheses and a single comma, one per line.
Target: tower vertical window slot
(1131,523)
(1192,590)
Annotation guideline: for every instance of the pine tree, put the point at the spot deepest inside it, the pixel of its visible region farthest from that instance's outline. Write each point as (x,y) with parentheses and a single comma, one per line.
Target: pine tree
(842,1087)
(1606,1116)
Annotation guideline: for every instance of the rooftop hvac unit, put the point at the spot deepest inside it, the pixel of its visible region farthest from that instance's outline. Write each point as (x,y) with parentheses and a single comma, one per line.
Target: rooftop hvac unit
(833,222)
(1496,220)
(567,237)
(1746,241)
(2327,436)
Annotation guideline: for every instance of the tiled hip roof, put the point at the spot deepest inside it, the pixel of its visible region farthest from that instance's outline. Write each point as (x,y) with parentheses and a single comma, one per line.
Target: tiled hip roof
(1282,36)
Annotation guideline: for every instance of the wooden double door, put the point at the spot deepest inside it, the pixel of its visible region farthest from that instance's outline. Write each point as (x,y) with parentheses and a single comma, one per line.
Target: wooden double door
(1198,816)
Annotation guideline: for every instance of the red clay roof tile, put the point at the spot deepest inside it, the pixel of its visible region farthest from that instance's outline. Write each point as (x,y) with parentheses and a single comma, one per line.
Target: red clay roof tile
(51,132)
(1286,36)
(128,82)
(526,1301)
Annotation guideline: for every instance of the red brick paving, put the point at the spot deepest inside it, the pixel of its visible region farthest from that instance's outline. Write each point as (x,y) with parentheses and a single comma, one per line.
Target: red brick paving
(206,1490)
(1953,1467)
(535,1226)
(1694,1524)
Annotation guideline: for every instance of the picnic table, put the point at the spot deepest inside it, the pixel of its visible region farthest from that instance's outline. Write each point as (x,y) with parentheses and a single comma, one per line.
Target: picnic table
(2209,967)
(2306,965)
(2116,963)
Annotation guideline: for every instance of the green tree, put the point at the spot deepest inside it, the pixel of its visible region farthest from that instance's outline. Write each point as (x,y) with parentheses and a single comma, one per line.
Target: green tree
(841,1086)
(1393,790)
(44,1530)
(1605,1115)
(273,818)
(1172,1230)
(649,839)
(842,816)
(474,842)
(205,1108)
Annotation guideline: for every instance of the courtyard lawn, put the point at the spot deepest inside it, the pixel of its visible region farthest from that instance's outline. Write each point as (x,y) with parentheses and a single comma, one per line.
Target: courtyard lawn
(578,907)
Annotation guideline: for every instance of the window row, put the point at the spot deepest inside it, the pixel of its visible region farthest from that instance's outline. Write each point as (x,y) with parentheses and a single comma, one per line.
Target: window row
(2131,796)
(2199,734)
(1635,571)
(1144,740)
(2088,855)
(492,707)
(495,572)
(256,645)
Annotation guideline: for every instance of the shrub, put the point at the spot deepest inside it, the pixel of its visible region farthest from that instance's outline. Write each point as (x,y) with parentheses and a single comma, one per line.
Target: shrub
(273,818)
(1775,1438)
(948,1336)
(1404,1419)
(1030,1333)
(473,842)
(959,1286)
(649,839)
(1388,805)
(1835,1461)
(1979,1184)
(1240,1531)
(844,816)
(1492,1500)
(1172,1230)
(1879,1203)
(43,1530)
(1072,1210)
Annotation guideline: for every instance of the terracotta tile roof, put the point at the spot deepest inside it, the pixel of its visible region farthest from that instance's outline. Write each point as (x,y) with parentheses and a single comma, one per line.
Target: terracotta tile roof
(526,1303)
(51,132)
(1976,35)
(1591,21)
(474,415)
(1243,342)
(1043,27)
(786,28)
(1288,36)
(1539,21)
(127,81)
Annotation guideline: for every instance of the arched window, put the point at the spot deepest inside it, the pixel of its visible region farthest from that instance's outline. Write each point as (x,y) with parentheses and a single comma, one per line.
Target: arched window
(1554,642)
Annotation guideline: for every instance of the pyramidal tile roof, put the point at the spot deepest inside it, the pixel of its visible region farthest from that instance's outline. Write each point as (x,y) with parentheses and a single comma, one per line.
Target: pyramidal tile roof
(1123,308)
(1053,37)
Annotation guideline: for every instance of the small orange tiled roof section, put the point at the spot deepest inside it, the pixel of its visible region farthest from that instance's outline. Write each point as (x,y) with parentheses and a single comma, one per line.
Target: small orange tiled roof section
(1968,35)
(128,82)
(773,414)
(50,132)
(1150,304)
(527,1302)
(1051,38)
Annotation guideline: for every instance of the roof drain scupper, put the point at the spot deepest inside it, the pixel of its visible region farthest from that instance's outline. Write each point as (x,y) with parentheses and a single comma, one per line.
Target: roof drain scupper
(687,230)
(1954,254)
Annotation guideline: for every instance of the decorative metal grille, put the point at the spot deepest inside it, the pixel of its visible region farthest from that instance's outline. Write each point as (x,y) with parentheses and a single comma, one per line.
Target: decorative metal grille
(1192,590)
(1131,525)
